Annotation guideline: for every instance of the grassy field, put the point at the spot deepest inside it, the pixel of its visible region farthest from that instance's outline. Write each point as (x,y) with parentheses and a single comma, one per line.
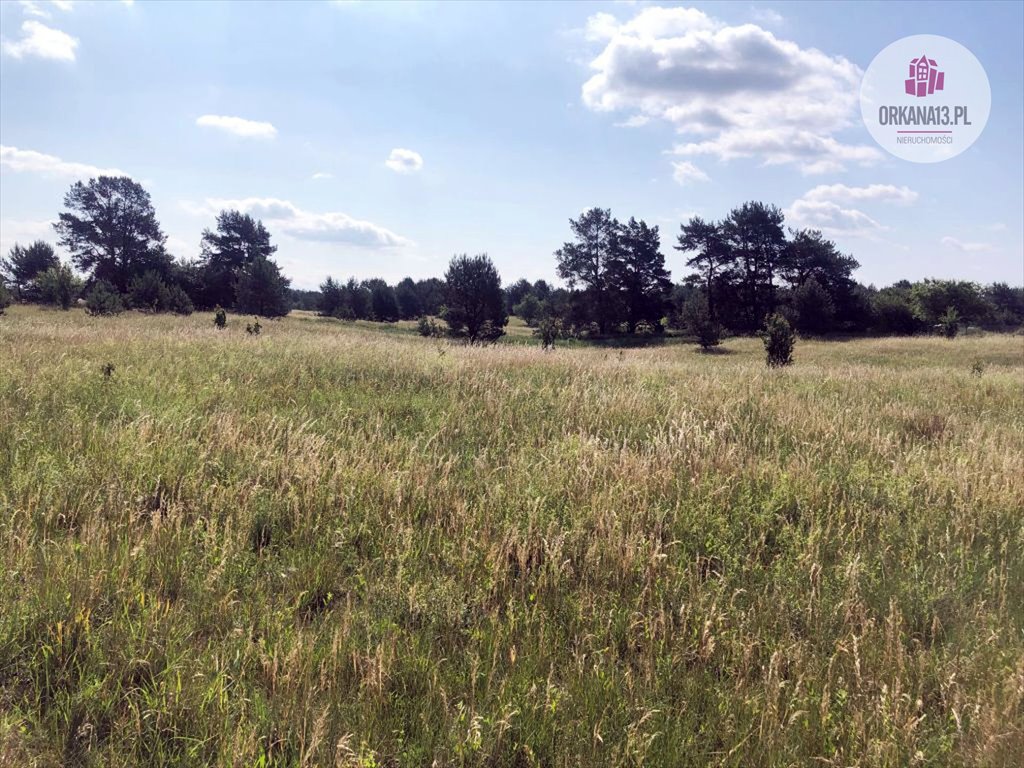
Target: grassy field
(329,545)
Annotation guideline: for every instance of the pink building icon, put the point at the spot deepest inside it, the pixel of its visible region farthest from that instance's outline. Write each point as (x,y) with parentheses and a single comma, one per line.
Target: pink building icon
(925,77)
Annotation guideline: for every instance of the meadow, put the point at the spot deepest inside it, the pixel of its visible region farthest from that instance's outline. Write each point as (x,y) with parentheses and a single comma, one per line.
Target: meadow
(333,545)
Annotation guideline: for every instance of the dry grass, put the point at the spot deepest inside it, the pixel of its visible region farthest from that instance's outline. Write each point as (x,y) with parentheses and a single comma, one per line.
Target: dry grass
(334,546)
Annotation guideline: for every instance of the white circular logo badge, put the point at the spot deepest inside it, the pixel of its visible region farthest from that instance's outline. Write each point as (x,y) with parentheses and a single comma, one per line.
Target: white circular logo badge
(925,98)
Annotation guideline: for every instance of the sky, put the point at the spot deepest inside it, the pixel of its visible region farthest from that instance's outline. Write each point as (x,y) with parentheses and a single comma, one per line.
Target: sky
(379,139)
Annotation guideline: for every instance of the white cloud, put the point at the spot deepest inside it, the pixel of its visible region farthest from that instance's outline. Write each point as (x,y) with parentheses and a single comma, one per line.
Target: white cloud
(30,161)
(290,220)
(64,5)
(32,8)
(601,26)
(831,208)
(404,161)
(37,39)
(963,247)
(738,90)
(635,121)
(181,248)
(684,173)
(23,231)
(767,16)
(238,126)
(881,193)
(814,153)
(831,218)
(322,175)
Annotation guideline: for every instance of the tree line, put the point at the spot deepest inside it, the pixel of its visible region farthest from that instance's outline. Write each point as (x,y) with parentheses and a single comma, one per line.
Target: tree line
(744,268)
(109,228)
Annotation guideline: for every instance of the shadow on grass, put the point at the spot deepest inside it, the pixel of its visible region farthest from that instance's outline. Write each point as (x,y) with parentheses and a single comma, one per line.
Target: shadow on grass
(713,351)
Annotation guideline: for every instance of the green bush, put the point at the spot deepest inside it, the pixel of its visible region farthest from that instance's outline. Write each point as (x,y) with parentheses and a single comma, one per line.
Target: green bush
(949,323)
(427,327)
(151,293)
(58,286)
(645,328)
(148,293)
(893,313)
(5,298)
(529,310)
(697,320)
(548,332)
(779,340)
(178,301)
(102,299)
(490,332)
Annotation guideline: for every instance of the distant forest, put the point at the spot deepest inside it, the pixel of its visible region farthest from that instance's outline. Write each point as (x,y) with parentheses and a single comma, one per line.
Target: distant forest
(743,269)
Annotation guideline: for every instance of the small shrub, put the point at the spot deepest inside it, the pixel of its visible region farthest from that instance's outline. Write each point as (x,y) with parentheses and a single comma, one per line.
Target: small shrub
(103,300)
(490,332)
(59,286)
(428,327)
(708,334)
(977,368)
(149,293)
(107,369)
(5,298)
(254,328)
(645,328)
(529,310)
(779,340)
(178,301)
(548,332)
(949,323)
(697,320)
(220,318)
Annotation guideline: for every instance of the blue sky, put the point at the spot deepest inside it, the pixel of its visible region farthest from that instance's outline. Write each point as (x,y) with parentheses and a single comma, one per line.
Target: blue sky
(377,139)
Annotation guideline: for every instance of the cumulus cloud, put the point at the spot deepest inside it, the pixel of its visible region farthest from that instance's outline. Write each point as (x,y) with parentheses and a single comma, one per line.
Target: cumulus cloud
(404,161)
(23,231)
(740,91)
(635,121)
(39,40)
(290,220)
(831,218)
(830,208)
(882,193)
(963,247)
(33,8)
(30,161)
(813,152)
(767,16)
(685,173)
(249,129)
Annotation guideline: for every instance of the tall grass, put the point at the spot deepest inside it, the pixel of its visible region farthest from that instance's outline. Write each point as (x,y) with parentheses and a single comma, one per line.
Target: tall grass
(331,546)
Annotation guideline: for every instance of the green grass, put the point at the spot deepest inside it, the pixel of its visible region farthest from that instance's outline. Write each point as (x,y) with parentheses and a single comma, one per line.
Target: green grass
(333,545)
